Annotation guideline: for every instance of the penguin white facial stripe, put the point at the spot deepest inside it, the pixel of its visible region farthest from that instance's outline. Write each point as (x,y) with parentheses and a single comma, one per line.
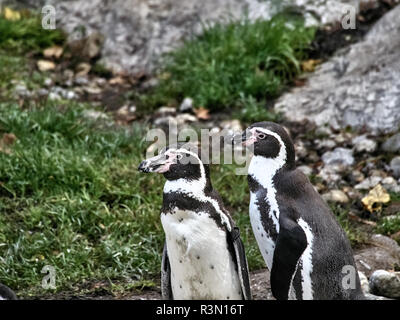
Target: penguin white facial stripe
(195,189)
(307,265)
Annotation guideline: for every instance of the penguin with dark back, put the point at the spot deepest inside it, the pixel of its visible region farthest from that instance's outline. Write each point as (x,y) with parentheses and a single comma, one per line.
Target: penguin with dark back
(203,256)
(303,245)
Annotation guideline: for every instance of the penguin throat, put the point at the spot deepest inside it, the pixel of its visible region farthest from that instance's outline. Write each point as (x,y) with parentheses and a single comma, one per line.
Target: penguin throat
(197,189)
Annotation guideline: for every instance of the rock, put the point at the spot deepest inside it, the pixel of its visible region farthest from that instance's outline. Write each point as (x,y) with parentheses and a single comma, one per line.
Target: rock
(390,184)
(395,166)
(83,69)
(392,144)
(358,87)
(94,115)
(232,126)
(385,283)
(185,118)
(186,105)
(364,282)
(368,183)
(306,170)
(363,144)
(164,111)
(161,25)
(81,80)
(48,82)
(326,143)
(45,65)
(329,174)
(382,253)
(336,196)
(339,156)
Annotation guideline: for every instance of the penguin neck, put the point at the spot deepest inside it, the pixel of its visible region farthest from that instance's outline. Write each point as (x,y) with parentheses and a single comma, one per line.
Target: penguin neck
(200,186)
(264,169)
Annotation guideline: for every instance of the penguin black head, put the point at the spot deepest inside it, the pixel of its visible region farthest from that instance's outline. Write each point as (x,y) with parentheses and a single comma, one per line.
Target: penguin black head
(181,161)
(269,140)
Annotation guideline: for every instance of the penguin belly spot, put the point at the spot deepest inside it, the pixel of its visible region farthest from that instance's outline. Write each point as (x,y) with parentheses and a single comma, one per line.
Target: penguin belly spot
(264,241)
(201,264)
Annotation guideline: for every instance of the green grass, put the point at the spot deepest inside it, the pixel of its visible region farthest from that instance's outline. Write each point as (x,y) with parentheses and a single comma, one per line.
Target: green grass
(27,34)
(255,60)
(71,197)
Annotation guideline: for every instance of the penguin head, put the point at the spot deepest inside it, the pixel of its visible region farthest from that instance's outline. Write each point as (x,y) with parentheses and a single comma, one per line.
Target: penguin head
(269,140)
(181,161)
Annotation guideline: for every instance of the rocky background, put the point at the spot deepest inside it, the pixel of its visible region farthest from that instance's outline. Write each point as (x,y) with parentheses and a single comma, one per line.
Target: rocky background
(344,116)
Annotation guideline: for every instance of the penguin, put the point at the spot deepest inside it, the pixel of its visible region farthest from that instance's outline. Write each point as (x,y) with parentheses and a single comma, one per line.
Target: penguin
(203,256)
(6,293)
(303,245)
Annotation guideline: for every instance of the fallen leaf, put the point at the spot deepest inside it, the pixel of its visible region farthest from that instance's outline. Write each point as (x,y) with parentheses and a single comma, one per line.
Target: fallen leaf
(117,80)
(10,14)
(202,113)
(55,51)
(45,65)
(309,65)
(83,69)
(375,199)
(6,142)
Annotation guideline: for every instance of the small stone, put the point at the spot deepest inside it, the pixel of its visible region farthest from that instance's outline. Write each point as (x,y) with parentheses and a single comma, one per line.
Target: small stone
(48,82)
(390,184)
(54,96)
(186,105)
(164,111)
(336,196)
(326,144)
(45,65)
(368,183)
(395,166)
(185,118)
(364,282)
(94,115)
(329,174)
(385,283)
(392,144)
(83,69)
(339,156)
(306,170)
(363,144)
(81,80)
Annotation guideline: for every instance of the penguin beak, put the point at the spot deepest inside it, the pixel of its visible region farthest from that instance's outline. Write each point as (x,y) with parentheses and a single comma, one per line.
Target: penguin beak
(248,138)
(159,164)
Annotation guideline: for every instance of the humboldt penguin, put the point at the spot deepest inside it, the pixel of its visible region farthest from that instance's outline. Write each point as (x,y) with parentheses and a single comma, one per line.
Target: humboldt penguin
(203,255)
(302,243)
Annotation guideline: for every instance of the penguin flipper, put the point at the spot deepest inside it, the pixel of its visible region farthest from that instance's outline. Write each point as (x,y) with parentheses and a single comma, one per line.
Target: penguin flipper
(166,288)
(290,244)
(241,261)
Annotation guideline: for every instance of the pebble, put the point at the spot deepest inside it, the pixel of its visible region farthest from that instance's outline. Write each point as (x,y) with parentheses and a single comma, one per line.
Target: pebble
(364,282)
(186,105)
(395,166)
(94,114)
(306,170)
(392,144)
(385,283)
(363,144)
(336,196)
(368,183)
(339,156)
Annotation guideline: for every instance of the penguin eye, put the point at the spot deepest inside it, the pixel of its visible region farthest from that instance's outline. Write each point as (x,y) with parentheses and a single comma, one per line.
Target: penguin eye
(179,156)
(167,156)
(262,135)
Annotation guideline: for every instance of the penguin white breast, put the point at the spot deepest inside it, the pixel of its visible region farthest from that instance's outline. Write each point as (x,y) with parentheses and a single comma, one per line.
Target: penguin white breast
(201,264)
(264,241)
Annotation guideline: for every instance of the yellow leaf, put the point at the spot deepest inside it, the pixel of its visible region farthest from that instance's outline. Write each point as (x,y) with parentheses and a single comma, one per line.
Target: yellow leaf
(309,65)
(375,198)
(10,14)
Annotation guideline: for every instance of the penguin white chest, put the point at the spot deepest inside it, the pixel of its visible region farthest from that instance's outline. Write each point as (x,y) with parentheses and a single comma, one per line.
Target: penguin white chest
(265,242)
(201,264)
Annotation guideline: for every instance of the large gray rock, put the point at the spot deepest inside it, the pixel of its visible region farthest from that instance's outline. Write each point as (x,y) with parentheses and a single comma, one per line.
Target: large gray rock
(138,32)
(359,87)
(392,144)
(382,253)
(385,283)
